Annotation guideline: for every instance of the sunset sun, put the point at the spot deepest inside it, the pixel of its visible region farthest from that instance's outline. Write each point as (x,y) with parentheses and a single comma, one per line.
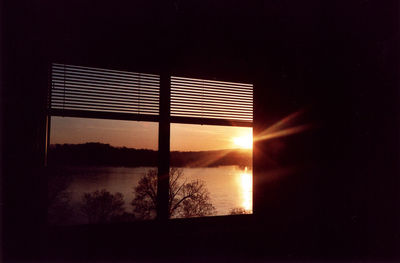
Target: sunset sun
(244,141)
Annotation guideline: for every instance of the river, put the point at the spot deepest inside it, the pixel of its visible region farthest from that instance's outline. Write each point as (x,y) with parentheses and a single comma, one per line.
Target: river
(229,186)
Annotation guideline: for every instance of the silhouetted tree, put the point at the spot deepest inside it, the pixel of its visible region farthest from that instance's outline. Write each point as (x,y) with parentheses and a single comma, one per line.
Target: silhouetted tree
(185,199)
(59,210)
(188,199)
(238,211)
(144,204)
(102,206)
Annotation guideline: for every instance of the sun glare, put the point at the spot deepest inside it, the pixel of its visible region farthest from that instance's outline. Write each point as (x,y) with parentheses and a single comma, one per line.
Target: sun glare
(244,141)
(246,185)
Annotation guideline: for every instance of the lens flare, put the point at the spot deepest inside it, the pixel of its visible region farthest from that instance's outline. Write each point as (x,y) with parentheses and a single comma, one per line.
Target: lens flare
(282,127)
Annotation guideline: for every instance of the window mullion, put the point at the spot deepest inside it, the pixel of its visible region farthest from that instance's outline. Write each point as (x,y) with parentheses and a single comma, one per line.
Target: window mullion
(164,149)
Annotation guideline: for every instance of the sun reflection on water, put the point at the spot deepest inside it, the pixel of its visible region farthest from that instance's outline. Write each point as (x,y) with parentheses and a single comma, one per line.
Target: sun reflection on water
(246,187)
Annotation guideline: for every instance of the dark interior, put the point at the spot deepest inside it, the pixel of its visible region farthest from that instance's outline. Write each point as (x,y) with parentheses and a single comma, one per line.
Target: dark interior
(328,193)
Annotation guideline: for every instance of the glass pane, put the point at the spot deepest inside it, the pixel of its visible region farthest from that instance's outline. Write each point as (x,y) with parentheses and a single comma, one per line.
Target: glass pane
(213,167)
(95,167)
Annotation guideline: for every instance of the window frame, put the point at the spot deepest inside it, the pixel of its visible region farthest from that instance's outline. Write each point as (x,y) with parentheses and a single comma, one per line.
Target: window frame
(164,120)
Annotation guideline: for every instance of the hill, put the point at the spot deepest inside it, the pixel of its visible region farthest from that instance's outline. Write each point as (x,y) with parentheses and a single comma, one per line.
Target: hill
(100,154)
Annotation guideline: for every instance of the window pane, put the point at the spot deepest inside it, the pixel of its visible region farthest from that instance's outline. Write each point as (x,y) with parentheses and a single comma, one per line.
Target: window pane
(95,167)
(213,165)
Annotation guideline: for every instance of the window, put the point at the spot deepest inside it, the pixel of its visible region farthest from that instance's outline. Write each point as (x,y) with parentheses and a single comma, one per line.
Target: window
(128,146)
(102,139)
(222,163)
(94,165)
(218,152)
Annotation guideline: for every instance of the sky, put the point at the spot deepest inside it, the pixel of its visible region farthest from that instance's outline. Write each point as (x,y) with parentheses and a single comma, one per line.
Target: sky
(144,135)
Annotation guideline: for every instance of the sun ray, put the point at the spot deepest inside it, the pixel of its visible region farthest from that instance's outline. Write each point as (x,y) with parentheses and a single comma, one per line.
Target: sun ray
(285,132)
(281,123)
(209,160)
(280,129)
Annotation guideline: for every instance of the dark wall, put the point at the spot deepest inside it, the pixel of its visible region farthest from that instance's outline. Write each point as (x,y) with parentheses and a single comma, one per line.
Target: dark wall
(329,192)
(336,182)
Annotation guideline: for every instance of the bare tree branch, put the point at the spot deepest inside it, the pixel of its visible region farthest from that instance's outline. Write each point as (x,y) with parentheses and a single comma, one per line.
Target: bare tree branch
(185,199)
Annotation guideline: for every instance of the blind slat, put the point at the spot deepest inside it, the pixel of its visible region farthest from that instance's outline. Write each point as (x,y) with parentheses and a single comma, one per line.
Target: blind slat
(218,83)
(60,74)
(97,90)
(206,88)
(105,110)
(90,83)
(103,71)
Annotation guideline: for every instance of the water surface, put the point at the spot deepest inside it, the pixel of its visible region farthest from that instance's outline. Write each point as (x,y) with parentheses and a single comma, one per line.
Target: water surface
(229,186)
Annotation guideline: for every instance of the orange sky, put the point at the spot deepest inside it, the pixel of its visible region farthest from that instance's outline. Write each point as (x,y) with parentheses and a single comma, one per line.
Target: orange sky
(133,134)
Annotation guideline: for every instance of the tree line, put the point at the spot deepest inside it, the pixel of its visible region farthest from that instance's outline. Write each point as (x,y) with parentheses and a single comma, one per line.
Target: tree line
(101,154)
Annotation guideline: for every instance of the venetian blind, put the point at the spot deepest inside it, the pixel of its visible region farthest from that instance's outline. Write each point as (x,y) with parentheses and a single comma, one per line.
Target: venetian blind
(102,90)
(209,99)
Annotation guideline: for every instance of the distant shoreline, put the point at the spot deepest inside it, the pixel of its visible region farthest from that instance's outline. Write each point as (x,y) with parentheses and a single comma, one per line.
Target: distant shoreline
(100,154)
